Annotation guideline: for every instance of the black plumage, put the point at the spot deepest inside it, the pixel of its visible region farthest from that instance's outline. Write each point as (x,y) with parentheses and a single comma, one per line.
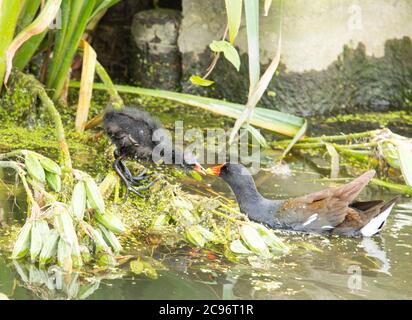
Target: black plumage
(132,130)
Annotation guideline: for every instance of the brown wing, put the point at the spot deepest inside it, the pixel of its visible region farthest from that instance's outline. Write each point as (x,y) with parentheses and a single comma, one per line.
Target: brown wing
(322,210)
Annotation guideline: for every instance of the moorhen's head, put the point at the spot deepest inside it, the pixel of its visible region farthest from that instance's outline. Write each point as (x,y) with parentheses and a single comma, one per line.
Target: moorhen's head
(232,173)
(242,184)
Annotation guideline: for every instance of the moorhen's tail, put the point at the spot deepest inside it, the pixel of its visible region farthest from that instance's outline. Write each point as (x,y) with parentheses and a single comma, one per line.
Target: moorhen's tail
(376,216)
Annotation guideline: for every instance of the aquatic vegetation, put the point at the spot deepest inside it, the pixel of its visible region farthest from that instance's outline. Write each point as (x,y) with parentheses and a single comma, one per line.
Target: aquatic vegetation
(26,24)
(379,149)
(54,284)
(53,228)
(172,216)
(382,118)
(71,220)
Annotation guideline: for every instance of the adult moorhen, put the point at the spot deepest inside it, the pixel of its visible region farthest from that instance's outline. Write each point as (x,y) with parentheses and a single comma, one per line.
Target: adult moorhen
(131,130)
(327,211)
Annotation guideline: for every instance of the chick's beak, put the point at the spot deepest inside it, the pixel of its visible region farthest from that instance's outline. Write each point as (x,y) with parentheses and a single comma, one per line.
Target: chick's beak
(199,168)
(215,170)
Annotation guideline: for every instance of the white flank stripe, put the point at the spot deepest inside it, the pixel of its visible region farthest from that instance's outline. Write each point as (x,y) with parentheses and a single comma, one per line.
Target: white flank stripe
(312,218)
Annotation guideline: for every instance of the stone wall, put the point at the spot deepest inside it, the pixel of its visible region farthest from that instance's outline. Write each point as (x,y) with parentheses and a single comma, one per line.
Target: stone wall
(337,55)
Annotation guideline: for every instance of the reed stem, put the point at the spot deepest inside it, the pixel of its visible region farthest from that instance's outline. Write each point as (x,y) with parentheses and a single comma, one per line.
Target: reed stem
(116,100)
(341,137)
(59,129)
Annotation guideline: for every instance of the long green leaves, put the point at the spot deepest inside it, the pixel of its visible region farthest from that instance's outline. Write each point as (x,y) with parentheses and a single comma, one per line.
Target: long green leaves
(75,15)
(334,163)
(276,121)
(257,90)
(295,139)
(43,20)
(234,17)
(102,5)
(9,13)
(268,3)
(252,29)
(28,49)
(28,12)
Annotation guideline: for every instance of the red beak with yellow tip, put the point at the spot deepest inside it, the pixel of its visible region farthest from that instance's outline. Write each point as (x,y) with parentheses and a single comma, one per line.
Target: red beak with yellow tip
(198,167)
(215,170)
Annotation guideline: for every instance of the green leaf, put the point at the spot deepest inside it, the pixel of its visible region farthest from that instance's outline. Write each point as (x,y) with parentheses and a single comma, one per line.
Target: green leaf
(54,181)
(9,13)
(254,240)
(238,247)
(34,168)
(207,234)
(228,50)
(334,155)
(256,93)
(257,135)
(195,236)
(28,49)
(49,248)
(78,202)
(22,245)
(252,30)
(160,221)
(111,222)
(50,165)
(234,17)
(196,175)
(43,20)
(199,81)
(295,139)
(102,5)
(94,197)
(390,153)
(75,16)
(36,240)
(271,239)
(28,12)
(110,238)
(268,3)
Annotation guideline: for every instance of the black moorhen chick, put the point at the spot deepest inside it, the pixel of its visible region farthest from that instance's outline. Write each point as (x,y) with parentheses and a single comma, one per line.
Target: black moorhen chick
(327,211)
(131,130)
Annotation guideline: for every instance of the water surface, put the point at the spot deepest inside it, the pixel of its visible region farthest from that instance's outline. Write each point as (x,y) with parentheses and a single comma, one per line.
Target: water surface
(330,268)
